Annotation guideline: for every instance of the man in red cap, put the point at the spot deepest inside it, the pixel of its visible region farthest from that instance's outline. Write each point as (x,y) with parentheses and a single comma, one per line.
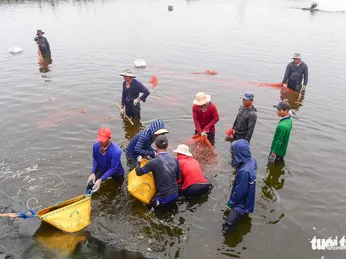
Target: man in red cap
(106,161)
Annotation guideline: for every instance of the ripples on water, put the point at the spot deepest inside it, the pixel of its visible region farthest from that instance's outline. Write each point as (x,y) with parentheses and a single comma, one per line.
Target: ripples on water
(49,123)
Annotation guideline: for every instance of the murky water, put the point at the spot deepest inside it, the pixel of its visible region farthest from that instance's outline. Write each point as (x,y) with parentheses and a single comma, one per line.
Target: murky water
(49,122)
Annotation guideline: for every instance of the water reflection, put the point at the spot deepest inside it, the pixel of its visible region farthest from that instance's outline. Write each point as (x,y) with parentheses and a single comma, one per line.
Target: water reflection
(273,181)
(44,65)
(275,172)
(235,237)
(58,244)
(131,130)
(293,98)
(57,241)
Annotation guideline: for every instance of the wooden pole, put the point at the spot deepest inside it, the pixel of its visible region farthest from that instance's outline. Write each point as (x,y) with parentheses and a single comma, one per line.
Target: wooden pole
(11,215)
(127,117)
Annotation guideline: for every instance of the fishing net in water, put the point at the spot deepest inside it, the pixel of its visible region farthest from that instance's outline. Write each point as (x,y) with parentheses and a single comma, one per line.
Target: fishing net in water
(202,150)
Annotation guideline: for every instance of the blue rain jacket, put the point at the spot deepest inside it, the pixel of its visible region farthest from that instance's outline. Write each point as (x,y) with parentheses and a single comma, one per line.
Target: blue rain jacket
(141,143)
(244,189)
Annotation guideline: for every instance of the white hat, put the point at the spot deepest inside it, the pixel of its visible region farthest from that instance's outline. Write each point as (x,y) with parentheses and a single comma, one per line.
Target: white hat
(161,131)
(297,56)
(183,149)
(127,72)
(201,98)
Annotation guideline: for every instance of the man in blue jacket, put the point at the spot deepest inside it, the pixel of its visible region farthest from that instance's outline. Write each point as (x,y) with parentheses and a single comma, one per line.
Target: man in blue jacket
(106,161)
(242,198)
(130,96)
(140,145)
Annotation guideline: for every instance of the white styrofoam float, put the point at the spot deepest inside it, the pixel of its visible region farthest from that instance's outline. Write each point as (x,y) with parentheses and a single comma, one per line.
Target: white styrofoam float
(139,63)
(15,50)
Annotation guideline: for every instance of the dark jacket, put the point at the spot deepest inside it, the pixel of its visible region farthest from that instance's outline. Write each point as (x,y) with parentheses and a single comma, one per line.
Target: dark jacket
(294,74)
(44,46)
(132,93)
(166,172)
(244,189)
(141,143)
(245,123)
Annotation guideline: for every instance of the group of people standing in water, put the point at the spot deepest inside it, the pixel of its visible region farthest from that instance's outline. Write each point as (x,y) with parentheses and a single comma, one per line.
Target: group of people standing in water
(182,174)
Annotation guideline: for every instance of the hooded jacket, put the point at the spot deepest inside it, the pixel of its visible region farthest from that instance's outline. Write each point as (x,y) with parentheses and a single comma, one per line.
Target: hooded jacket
(245,123)
(140,145)
(244,189)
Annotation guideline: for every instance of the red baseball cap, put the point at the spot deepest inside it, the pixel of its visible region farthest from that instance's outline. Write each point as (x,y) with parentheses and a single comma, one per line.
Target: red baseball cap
(104,134)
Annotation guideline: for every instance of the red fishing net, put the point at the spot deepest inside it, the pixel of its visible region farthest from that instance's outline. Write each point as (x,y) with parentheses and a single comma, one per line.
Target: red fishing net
(153,81)
(208,72)
(202,150)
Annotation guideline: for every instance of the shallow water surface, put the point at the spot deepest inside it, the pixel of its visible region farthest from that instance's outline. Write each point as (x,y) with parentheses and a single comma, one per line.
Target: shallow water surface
(50,118)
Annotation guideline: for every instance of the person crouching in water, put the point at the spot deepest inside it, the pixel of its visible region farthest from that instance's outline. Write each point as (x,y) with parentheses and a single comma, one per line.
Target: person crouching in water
(193,182)
(106,161)
(166,172)
(140,145)
(205,116)
(242,200)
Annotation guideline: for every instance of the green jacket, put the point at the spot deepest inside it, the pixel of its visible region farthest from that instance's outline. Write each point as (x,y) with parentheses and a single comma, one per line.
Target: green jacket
(281,137)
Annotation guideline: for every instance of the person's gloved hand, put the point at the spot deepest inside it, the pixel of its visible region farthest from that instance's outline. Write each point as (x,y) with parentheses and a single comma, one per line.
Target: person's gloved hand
(228,205)
(122,111)
(229,133)
(204,133)
(284,85)
(97,185)
(139,159)
(91,178)
(136,101)
(271,158)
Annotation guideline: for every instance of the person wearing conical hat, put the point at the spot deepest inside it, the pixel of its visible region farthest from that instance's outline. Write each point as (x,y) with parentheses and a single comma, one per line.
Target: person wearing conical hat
(205,116)
(130,100)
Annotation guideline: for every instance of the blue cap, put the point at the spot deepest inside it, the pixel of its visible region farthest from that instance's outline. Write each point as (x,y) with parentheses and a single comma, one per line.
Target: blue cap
(248,96)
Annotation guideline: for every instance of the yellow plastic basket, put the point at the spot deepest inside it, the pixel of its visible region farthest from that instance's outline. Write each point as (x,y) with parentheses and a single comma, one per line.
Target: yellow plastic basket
(71,216)
(142,187)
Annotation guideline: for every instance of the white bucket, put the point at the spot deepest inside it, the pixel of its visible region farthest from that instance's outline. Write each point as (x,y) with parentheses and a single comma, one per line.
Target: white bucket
(139,63)
(15,50)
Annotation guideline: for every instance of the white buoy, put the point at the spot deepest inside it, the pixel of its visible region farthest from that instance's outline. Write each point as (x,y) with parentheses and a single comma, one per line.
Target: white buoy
(139,63)
(15,50)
